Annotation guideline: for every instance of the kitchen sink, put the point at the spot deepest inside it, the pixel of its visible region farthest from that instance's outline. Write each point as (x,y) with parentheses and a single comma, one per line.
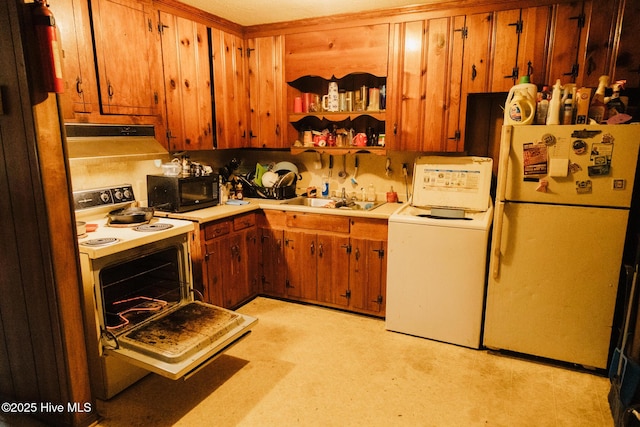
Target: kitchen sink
(332,203)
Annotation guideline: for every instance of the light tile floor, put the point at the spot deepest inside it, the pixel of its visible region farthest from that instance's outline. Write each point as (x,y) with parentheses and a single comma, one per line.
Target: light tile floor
(311,366)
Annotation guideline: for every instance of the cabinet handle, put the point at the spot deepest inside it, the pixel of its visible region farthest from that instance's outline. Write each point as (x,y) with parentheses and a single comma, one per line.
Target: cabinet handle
(251,135)
(109,89)
(320,250)
(395,128)
(529,68)
(347,294)
(277,130)
(79,85)
(474,72)
(357,255)
(514,74)
(380,252)
(313,248)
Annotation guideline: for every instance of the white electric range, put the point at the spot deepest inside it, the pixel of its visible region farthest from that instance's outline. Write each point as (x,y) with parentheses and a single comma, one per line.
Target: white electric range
(140,306)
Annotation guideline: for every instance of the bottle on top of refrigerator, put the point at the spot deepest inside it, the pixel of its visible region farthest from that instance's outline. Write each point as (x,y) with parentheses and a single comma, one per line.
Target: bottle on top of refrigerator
(567,110)
(521,100)
(553,116)
(615,104)
(542,106)
(597,108)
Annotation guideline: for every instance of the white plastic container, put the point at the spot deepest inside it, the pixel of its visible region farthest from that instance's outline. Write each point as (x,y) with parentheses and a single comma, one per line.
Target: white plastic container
(553,117)
(520,108)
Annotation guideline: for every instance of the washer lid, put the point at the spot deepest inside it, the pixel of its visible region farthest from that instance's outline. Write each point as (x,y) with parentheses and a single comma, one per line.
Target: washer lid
(452,182)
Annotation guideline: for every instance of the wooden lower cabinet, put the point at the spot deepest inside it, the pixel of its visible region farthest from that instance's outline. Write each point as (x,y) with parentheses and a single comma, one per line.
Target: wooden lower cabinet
(231,271)
(328,260)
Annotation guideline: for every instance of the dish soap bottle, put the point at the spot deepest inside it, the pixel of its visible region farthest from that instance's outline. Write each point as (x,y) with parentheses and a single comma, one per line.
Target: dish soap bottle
(597,107)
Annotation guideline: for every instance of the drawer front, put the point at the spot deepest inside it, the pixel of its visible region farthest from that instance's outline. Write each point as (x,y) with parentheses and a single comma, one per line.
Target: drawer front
(336,224)
(369,228)
(244,221)
(216,229)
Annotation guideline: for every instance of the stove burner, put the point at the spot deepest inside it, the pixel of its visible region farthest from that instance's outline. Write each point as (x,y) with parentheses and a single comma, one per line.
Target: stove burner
(158,226)
(102,241)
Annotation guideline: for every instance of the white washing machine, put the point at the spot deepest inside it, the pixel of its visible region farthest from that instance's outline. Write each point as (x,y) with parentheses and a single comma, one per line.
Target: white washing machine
(437,262)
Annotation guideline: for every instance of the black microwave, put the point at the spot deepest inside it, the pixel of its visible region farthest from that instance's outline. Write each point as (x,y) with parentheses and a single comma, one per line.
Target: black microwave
(182,193)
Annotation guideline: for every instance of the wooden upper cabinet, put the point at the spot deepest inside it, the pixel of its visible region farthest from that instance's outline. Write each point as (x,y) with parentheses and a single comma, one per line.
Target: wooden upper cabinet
(230,89)
(428,63)
(80,90)
(519,46)
(627,65)
(187,84)
(567,40)
(127,52)
(267,108)
(477,51)
(337,53)
(534,43)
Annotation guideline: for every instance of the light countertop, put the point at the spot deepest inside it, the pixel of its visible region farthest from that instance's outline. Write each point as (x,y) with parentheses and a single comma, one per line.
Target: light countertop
(223,211)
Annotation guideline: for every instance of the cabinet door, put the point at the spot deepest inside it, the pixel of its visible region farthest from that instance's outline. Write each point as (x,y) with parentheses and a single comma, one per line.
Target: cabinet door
(534,44)
(409,46)
(80,88)
(254,276)
(507,27)
(475,72)
(127,55)
(230,93)
(187,84)
(455,101)
(368,275)
(236,283)
(266,92)
(273,262)
(333,269)
(627,65)
(567,42)
(215,261)
(337,52)
(300,256)
(601,39)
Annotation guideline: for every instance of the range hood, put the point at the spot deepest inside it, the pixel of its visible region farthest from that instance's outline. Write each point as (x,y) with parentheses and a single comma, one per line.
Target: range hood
(90,141)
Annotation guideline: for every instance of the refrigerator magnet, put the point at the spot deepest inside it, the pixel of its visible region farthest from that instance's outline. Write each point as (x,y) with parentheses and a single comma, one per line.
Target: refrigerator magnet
(548,139)
(579,147)
(535,159)
(543,184)
(607,138)
(583,187)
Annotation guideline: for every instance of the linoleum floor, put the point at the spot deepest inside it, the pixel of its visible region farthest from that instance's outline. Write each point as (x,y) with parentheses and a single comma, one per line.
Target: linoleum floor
(311,366)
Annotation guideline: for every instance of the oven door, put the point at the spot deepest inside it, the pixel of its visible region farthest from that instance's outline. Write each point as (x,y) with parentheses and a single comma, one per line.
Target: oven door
(182,341)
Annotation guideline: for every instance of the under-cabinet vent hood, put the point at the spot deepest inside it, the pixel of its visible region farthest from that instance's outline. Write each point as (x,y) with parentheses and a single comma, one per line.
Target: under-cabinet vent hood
(89,141)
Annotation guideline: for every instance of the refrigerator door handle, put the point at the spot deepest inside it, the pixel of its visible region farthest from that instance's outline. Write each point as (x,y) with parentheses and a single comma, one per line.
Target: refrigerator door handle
(497,238)
(503,162)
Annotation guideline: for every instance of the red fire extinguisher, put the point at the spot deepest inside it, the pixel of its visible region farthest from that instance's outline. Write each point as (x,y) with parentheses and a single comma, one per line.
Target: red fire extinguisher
(48,47)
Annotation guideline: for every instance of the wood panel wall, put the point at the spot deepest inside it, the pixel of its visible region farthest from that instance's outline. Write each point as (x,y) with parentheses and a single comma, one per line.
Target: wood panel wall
(42,350)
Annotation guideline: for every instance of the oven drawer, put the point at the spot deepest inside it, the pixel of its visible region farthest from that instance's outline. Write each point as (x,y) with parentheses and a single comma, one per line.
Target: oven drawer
(183,340)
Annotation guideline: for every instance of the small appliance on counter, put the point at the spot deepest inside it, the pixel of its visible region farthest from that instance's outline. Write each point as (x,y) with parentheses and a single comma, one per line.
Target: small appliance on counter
(436,267)
(182,193)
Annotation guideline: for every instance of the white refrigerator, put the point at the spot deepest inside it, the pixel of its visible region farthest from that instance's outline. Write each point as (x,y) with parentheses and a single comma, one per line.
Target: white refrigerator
(562,206)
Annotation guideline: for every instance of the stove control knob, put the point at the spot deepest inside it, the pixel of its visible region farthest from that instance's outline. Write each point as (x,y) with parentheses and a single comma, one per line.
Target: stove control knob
(127,193)
(118,195)
(104,196)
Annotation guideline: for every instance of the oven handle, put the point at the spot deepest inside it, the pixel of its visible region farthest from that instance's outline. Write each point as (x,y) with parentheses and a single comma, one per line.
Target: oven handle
(214,357)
